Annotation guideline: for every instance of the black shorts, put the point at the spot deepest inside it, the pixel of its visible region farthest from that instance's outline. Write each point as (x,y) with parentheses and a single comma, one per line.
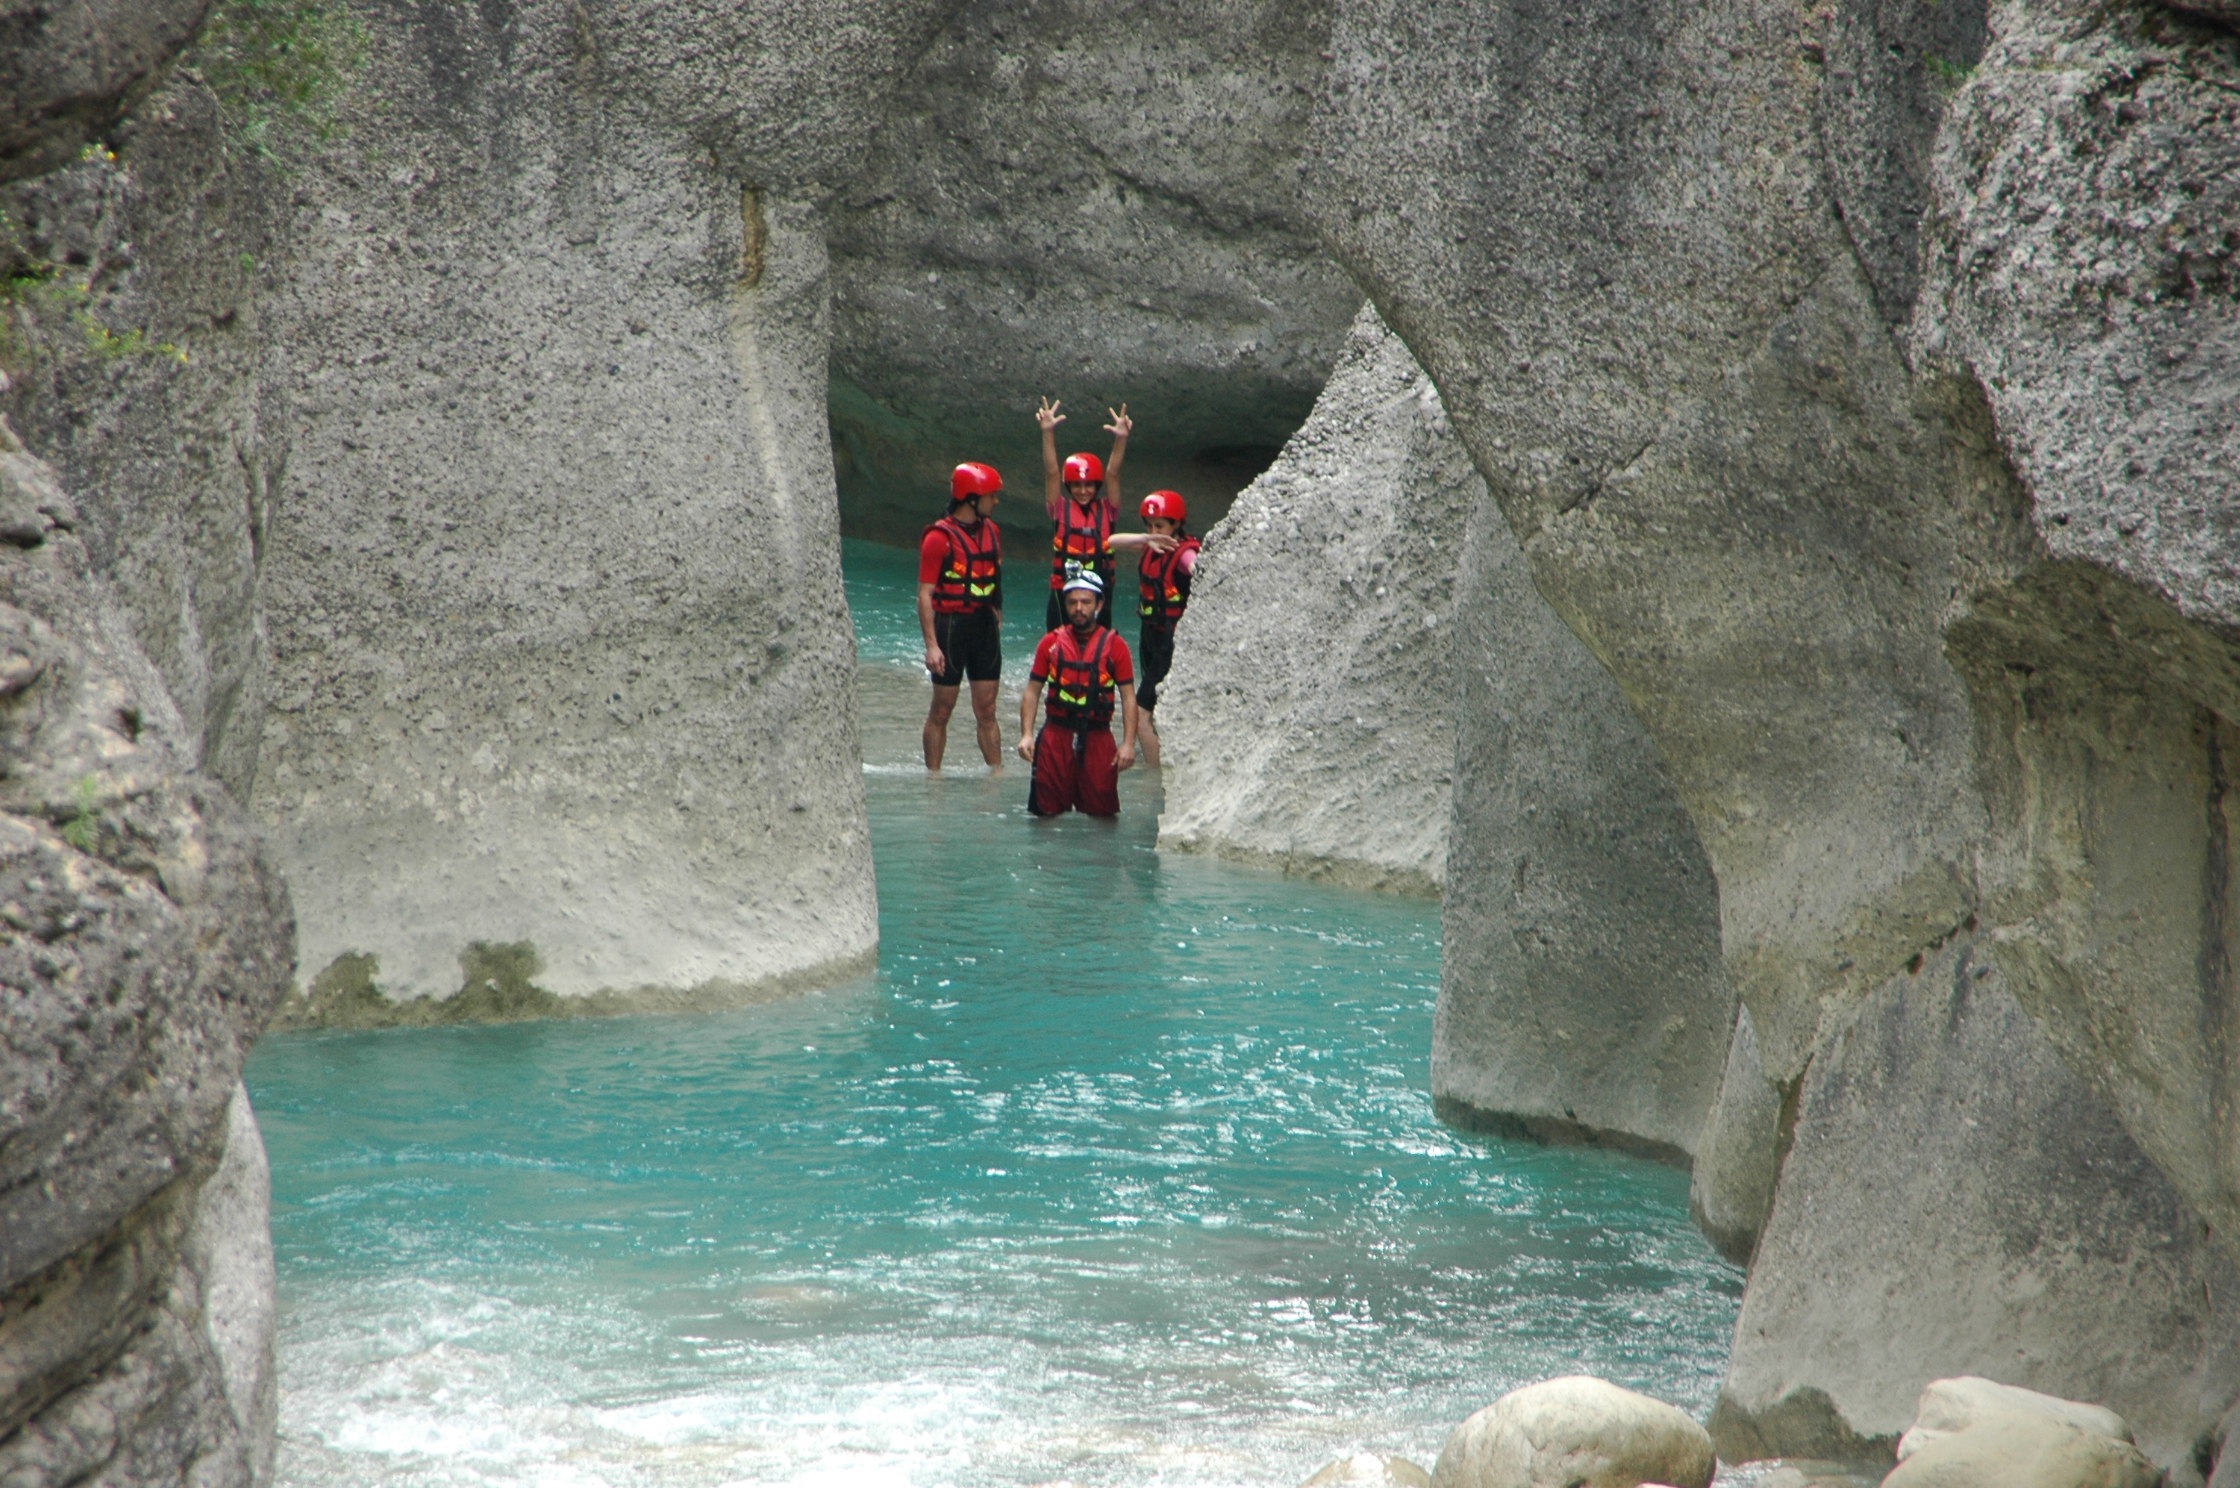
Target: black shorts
(1154,654)
(971,645)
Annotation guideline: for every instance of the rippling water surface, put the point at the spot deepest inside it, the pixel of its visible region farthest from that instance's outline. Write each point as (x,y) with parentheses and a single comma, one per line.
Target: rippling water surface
(1121,1169)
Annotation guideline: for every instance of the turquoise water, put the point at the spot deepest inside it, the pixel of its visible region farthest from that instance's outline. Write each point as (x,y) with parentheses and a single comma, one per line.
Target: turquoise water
(1120,1170)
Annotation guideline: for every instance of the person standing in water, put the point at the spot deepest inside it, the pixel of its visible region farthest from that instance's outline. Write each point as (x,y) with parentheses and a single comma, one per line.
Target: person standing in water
(960,610)
(1085,668)
(1082,496)
(1167,556)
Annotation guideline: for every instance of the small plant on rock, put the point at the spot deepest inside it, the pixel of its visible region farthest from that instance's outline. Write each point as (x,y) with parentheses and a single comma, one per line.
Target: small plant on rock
(83,830)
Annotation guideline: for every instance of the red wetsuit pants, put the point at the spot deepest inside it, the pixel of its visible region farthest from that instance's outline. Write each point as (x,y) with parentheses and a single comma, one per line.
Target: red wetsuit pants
(1075,772)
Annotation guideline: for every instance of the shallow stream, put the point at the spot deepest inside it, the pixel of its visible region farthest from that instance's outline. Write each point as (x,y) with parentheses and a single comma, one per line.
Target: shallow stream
(1121,1169)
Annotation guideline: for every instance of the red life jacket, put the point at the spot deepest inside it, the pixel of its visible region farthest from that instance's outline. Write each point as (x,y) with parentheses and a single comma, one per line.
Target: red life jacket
(1164,587)
(1078,537)
(1080,685)
(972,574)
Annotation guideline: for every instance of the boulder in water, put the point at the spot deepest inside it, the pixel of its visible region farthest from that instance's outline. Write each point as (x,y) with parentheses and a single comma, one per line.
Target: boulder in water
(1370,1470)
(1576,1432)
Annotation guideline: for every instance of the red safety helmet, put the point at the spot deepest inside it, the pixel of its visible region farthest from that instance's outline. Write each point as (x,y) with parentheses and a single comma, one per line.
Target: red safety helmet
(973,479)
(1166,504)
(1083,468)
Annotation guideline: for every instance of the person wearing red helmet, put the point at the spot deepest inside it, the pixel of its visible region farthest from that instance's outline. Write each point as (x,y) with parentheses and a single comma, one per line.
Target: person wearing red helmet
(1167,558)
(1086,669)
(960,610)
(1082,495)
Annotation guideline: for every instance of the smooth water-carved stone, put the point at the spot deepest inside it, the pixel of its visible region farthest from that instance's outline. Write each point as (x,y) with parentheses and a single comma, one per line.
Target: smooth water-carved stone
(1575,1432)
(1309,720)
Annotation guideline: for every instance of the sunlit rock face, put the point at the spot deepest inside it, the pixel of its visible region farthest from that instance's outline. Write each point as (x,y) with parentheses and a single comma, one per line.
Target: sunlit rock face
(1092,203)
(144,939)
(561,662)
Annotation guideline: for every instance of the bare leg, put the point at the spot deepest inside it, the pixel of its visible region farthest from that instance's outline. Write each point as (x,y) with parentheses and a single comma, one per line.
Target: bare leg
(984,720)
(1147,738)
(937,724)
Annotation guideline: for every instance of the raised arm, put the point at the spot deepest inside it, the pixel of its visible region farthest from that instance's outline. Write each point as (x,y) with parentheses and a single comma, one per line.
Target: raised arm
(1053,489)
(1120,427)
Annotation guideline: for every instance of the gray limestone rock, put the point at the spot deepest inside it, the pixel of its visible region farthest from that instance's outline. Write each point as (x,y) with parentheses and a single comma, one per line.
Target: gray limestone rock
(1682,394)
(1575,1432)
(69,68)
(1309,719)
(138,359)
(1957,1202)
(1091,202)
(1738,1154)
(2080,268)
(144,940)
(1968,1401)
(2016,1452)
(560,657)
(1582,995)
(1889,67)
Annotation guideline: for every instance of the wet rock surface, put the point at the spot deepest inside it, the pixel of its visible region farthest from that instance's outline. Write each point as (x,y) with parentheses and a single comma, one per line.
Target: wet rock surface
(144,939)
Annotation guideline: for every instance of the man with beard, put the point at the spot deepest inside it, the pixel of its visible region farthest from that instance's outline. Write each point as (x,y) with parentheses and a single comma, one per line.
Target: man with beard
(1085,668)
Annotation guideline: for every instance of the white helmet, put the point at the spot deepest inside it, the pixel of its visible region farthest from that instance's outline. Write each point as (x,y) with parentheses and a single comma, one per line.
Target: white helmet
(1078,577)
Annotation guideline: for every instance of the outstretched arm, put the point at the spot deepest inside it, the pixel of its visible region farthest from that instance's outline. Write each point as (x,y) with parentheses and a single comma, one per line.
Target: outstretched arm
(1053,489)
(1128,542)
(1120,427)
(1030,700)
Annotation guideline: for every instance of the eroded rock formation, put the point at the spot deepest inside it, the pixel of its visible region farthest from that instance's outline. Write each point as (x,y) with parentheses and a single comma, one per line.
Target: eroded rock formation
(1095,203)
(1856,384)
(1659,304)
(143,942)
(1369,688)
(1309,721)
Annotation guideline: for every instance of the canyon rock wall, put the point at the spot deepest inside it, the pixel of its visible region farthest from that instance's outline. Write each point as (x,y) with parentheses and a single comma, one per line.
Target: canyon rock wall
(560,657)
(2035,1243)
(1091,202)
(483,519)
(145,939)
(1368,688)
(1309,720)
(1581,994)
(135,344)
(1812,528)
